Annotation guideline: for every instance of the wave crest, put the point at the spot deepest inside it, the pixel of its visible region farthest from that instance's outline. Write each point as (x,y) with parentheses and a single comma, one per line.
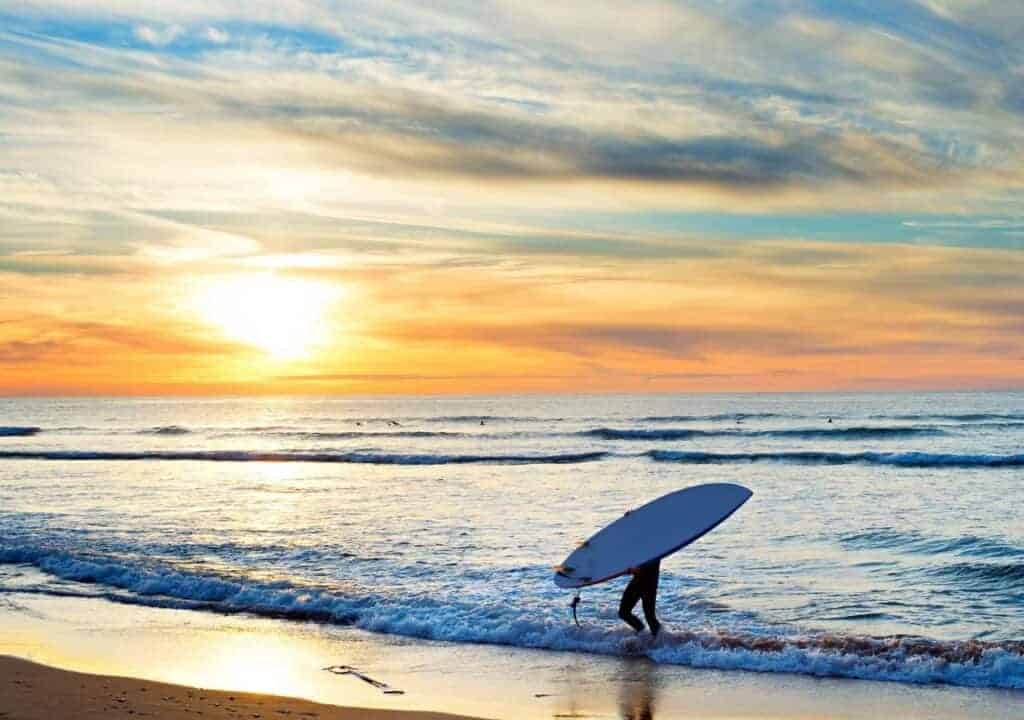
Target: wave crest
(19,431)
(956,417)
(895,459)
(368,458)
(846,433)
(714,417)
(166,430)
(980,575)
(914,542)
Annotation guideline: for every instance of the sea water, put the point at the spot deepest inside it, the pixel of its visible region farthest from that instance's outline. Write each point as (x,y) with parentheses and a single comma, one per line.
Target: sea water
(884,539)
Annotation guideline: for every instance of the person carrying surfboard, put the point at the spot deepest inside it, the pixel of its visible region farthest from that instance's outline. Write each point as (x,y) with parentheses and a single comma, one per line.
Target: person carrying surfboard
(642,587)
(636,542)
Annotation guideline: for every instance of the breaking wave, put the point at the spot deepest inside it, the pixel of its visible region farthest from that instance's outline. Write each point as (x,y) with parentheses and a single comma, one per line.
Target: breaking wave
(309,457)
(848,433)
(479,419)
(631,434)
(166,430)
(716,417)
(854,433)
(357,435)
(18,431)
(896,658)
(896,459)
(956,417)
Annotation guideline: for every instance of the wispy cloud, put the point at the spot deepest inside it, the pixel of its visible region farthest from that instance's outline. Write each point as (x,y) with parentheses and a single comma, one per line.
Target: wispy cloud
(216,35)
(158,36)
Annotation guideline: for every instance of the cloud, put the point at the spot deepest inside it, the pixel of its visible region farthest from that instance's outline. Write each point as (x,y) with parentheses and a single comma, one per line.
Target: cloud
(408,113)
(967,223)
(408,134)
(413,377)
(158,36)
(76,342)
(595,339)
(46,265)
(999,313)
(164,340)
(216,35)
(694,344)
(314,240)
(17,352)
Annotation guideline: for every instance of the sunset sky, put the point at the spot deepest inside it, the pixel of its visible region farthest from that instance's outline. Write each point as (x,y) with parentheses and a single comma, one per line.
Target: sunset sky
(207,197)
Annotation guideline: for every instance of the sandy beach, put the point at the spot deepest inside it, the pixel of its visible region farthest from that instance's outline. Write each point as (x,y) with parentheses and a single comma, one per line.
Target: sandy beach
(29,691)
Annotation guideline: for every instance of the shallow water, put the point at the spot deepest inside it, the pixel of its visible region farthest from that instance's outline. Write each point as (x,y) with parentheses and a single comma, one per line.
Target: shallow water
(886,544)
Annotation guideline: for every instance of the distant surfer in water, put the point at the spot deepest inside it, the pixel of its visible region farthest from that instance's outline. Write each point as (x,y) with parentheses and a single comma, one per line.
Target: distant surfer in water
(643,586)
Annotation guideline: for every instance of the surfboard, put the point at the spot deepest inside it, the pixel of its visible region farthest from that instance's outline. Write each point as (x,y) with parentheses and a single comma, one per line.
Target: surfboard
(650,532)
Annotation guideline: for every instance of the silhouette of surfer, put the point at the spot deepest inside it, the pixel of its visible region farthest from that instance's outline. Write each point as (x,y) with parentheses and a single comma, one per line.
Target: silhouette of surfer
(643,587)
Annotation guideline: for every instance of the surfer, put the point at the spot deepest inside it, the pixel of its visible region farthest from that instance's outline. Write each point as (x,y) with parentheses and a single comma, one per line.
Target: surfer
(643,586)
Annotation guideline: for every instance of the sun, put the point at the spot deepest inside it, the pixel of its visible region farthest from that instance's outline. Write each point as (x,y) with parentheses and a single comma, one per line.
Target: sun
(284,317)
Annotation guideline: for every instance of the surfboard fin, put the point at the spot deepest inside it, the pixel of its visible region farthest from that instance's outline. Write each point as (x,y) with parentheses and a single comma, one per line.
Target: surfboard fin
(563,569)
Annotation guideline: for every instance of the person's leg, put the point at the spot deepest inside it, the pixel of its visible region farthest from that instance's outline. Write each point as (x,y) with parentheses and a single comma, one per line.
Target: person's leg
(649,595)
(629,599)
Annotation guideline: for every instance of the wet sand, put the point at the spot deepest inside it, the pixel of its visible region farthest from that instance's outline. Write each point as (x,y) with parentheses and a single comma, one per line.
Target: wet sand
(29,691)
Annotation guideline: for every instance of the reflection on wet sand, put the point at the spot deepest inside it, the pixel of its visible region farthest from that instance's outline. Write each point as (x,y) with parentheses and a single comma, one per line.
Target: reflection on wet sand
(638,691)
(633,686)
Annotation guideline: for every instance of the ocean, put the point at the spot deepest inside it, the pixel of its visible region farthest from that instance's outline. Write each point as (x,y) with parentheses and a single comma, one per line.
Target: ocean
(884,539)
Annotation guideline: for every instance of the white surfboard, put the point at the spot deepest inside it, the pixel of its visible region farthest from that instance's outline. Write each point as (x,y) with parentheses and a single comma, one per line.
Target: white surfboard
(650,532)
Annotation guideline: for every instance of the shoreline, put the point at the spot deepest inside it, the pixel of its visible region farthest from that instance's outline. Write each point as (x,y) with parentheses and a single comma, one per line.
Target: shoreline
(31,691)
(269,658)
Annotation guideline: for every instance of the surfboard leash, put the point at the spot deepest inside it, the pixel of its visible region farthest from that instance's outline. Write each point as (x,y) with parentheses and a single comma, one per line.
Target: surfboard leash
(349,670)
(574,604)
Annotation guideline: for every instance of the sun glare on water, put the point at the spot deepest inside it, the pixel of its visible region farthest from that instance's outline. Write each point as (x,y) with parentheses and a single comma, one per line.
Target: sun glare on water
(284,317)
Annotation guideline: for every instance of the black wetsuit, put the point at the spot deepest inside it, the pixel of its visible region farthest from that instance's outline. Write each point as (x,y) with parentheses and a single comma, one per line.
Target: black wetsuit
(643,586)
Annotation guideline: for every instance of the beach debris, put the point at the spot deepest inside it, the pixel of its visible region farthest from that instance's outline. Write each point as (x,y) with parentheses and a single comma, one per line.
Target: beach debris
(349,670)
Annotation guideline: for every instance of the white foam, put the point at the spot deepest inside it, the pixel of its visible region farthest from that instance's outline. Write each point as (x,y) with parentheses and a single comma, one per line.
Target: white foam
(915,660)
